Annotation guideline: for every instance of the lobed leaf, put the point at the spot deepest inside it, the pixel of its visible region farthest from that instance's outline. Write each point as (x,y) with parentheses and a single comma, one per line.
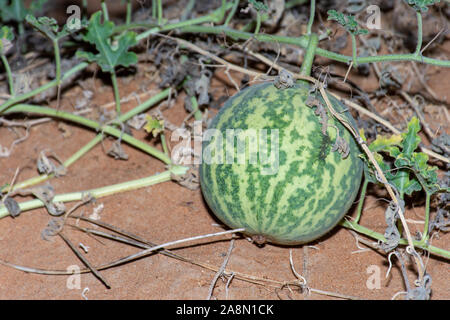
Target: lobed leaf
(410,171)
(258,5)
(109,56)
(404,183)
(385,143)
(411,139)
(154,126)
(421,5)
(348,22)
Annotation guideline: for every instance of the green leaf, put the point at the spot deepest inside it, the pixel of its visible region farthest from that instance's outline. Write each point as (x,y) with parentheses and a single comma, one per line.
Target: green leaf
(16,11)
(6,37)
(361,31)
(421,5)
(37,5)
(154,126)
(348,22)
(47,26)
(386,143)
(258,5)
(410,171)
(403,183)
(426,174)
(420,159)
(411,139)
(109,56)
(337,16)
(394,152)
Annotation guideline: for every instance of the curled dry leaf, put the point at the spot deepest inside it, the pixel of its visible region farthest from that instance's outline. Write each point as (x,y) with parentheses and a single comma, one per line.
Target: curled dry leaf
(341,146)
(12,206)
(189,180)
(138,121)
(46,194)
(46,166)
(53,227)
(391,233)
(284,80)
(116,151)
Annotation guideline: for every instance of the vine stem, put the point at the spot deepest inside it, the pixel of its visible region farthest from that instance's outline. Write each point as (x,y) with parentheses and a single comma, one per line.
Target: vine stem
(129,12)
(25,108)
(104,191)
(419,33)
(232,12)
(378,236)
(427,216)
(57,60)
(154,8)
(197,113)
(58,68)
(116,91)
(8,75)
(164,144)
(160,12)
(303,42)
(361,200)
(292,3)
(354,55)
(188,10)
(305,69)
(312,12)
(84,4)
(105,10)
(258,23)
(214,17)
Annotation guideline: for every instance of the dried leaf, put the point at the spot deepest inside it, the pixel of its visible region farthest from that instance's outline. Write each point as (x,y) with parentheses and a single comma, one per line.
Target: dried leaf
(284,80)
(12,206)
(46,195)
(341,146)
(138,121)
(189,180)
(117,152)
(46,166)
(53,227)
(391,233)
(202,88)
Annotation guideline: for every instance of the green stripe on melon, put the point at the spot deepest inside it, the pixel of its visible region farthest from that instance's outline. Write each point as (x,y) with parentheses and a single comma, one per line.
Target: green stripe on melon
(313,187)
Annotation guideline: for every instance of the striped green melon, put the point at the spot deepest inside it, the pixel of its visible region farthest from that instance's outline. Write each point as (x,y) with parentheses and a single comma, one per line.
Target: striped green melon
(309,191)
